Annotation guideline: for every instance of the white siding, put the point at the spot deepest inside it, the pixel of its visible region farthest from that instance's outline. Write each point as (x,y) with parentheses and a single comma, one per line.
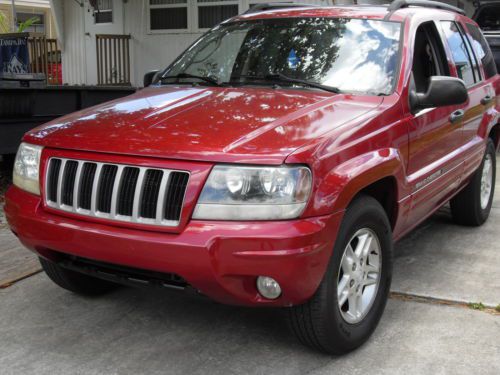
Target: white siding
(150,51)
(73,57)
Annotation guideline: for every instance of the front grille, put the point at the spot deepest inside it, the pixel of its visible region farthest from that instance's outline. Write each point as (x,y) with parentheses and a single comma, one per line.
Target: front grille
(115,191)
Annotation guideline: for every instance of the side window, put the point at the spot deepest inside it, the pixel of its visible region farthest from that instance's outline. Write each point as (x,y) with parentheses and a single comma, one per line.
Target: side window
(459,51)
(428,56)
(482,50)
(472,54)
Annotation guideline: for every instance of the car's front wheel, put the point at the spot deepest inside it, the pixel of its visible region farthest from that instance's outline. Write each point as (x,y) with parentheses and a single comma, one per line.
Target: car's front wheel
(351,298)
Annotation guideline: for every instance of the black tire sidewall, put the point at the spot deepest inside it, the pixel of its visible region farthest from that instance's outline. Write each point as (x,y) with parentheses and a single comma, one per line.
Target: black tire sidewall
(364,213)
(484,213)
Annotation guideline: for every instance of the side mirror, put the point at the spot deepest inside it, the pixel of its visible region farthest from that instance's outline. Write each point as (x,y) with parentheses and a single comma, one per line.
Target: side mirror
(150,77)
(441,92)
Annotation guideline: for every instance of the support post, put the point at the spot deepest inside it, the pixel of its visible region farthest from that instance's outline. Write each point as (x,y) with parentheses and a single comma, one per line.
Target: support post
(14,16)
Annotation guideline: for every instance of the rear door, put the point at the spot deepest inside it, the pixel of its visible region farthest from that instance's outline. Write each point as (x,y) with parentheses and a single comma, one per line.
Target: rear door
(481,93)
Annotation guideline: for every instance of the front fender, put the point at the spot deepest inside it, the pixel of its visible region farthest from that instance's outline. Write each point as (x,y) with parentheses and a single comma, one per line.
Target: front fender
(340,185)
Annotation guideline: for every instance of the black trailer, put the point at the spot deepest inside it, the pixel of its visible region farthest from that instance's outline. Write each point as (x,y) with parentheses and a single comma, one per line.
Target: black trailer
(22,109)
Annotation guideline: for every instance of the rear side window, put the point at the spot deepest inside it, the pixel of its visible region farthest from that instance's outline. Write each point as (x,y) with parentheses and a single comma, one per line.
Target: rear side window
(482,50)
(461,52)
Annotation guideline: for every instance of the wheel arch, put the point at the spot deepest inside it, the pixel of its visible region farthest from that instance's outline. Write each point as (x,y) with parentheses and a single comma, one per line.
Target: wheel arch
(385,192)
(379,174)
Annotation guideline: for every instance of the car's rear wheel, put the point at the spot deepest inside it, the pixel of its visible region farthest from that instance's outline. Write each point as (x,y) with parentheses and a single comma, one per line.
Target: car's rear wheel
(472,205)
(352,296)
(74,281)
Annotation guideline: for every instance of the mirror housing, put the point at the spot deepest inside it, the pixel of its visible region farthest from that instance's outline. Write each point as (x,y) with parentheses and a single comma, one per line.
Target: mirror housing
(442,91)
(150,77)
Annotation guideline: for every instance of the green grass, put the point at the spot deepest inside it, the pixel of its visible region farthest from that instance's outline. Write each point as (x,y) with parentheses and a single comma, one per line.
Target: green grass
(497,309)
(476,306)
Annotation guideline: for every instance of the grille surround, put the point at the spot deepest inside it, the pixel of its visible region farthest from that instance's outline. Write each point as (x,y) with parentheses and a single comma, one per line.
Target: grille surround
(113,215)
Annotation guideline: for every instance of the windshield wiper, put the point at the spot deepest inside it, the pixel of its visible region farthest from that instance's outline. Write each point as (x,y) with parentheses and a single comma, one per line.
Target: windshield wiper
(187,75)
(278,77)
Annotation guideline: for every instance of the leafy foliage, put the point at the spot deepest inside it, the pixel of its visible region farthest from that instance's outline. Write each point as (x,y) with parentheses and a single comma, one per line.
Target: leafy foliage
(26,24)
(476,306)
(4,25)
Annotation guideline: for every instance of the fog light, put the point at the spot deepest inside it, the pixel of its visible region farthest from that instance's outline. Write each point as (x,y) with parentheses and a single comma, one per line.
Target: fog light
(268,287)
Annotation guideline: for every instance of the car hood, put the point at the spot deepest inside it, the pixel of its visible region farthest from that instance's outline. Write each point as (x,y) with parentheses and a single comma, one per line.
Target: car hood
(242,124)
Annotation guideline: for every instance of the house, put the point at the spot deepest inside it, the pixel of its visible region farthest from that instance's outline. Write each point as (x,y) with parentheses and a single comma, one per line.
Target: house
(27,9)
(116,41)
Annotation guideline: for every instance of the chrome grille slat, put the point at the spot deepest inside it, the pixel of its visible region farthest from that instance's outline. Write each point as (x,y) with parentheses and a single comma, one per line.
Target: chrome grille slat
(76,188)
(97,177)
(161,199)
(116,186)
(60,181)
(138,194)
(92,186)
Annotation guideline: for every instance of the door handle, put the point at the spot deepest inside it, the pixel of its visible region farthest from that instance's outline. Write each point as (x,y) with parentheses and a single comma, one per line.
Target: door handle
(486,100)
(457,116)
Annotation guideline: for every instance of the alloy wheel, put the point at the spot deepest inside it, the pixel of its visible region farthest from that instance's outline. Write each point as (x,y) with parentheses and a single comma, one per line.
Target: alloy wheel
(486,181)
(359,275)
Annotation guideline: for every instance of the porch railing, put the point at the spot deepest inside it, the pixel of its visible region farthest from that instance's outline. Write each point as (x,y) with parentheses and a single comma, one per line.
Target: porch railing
(45,57)
(113,59)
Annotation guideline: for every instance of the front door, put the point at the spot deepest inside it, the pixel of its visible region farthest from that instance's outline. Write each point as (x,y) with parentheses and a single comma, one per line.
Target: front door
(436,134)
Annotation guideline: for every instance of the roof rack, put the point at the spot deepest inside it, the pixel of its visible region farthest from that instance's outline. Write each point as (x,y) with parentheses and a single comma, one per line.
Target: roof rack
(398,4)
(271,6)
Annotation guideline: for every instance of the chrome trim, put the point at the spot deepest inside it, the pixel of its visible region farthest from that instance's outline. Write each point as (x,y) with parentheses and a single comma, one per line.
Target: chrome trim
(76,188)
(112,215)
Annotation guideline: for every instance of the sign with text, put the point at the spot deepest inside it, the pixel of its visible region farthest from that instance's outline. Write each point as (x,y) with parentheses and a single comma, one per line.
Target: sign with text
(14,54)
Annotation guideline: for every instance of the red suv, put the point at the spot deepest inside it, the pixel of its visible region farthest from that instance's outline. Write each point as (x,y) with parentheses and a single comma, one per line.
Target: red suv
(274,163)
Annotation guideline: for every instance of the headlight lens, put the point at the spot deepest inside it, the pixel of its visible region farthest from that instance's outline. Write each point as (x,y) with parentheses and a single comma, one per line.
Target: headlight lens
(254,193)
(27,168)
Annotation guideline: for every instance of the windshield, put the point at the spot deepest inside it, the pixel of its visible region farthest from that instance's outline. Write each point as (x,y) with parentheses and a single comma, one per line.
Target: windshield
(489,17)
(352,55)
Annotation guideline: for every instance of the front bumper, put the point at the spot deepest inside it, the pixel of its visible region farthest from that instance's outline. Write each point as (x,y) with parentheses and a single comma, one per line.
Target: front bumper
(220,259)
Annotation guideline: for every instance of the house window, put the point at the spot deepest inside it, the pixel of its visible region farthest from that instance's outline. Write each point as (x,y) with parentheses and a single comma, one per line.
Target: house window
(103,12)
(38,26)
(168,14)
(212,12)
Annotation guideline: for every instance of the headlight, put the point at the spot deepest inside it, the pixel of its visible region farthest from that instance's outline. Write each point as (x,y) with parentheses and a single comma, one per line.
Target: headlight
(27,167)
(254,193)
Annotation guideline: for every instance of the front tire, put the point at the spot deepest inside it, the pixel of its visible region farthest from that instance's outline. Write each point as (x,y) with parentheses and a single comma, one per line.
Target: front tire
(472,205)
(74,281)
(351,298)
